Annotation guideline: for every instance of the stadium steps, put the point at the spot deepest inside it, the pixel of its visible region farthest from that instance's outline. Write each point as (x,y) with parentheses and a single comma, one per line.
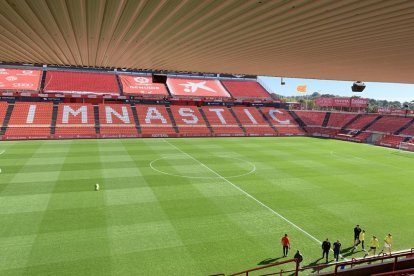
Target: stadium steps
(298,120)
(42,81)
(54,118)
(371,123)
(351,121)
(237,120)
(326,119)
(96,114)
(172,119)
(7,118)
(404,127)
(118,82)
(267,120)
(205,119)
(135,115)
(407,139)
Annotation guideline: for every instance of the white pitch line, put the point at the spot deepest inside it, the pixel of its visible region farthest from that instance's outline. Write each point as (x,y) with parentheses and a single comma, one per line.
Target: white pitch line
(1,152)
(247,194)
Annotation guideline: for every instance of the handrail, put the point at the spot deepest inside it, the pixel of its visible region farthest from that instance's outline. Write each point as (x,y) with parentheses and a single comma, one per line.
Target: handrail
(246,272)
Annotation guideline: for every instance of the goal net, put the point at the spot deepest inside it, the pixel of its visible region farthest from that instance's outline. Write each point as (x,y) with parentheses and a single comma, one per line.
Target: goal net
(406,146)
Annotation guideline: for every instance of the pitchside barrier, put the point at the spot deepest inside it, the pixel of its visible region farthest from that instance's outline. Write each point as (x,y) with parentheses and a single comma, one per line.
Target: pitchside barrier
(406,146)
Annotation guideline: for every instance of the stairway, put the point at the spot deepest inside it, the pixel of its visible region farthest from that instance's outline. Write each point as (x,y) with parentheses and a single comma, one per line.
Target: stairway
(7,118)
(351,121)
(237,120)
(267,120)
(326,119)
(172,119)
(206,120)
(371,123)
(96,115)
(404,127)
(54,118)
(135,115)
(298,120)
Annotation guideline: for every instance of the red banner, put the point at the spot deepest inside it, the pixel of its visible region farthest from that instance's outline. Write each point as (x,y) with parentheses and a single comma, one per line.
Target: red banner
(359,102)
(197,88)
(22,80)
(324,101)
(397,111)
(141,85)
(342,102)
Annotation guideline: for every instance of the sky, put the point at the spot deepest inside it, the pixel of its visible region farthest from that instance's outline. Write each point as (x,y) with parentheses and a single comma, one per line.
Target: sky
(373,90)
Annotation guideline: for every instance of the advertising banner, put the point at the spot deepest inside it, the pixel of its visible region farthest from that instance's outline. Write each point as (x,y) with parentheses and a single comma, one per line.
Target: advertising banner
(197,88)
(141,85)
(22,80)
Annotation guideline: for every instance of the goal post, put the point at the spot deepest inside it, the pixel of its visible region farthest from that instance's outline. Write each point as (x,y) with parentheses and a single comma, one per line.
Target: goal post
(406,146)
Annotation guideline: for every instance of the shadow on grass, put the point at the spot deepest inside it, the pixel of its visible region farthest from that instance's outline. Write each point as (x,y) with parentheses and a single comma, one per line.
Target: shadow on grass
(269,261)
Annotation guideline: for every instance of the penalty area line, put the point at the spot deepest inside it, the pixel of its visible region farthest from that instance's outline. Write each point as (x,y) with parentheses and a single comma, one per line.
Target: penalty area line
(247,194)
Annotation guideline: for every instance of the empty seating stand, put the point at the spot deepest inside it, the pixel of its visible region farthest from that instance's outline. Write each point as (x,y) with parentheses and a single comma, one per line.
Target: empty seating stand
(284,123)
(392,141)
(362,122)
(253,122)
(311,119)
(116,120)
(389,124)
(79,82)
(155,121)
(30,121)
(222,121)
(242,89)
(75,121)
(3,110)
(338,120)
(189,121)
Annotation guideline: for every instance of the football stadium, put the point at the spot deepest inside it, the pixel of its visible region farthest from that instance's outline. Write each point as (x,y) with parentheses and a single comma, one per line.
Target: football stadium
(138,138)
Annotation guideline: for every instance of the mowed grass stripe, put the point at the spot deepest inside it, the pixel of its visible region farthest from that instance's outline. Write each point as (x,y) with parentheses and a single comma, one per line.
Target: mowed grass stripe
(174,225)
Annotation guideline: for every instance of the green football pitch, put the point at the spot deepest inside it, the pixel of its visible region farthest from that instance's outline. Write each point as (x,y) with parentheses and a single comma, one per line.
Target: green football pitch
(193,206)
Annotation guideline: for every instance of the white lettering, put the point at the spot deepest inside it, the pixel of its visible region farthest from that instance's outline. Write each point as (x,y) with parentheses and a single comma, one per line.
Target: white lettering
(31,114)
(67,109)
(252,119)
(109,111)
(188,112)
(272,114)
(219,115)
(152,114)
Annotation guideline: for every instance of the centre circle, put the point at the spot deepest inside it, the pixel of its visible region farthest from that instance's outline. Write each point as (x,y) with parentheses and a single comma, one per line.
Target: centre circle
(186,166)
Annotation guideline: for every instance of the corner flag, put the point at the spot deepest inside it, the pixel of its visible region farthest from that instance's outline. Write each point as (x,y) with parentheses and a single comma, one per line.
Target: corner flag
(301,88)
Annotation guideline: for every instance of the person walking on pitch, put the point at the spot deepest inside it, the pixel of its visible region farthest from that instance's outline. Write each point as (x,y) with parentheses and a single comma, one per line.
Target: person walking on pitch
(285,244)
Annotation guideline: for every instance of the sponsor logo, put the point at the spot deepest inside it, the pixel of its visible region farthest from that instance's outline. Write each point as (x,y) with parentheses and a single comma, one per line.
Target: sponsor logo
(192,87)
(27,72)
(141,80)
(22,85)
(11,78)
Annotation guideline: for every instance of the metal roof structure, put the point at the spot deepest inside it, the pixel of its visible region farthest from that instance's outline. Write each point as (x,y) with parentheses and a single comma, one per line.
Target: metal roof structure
(370,40)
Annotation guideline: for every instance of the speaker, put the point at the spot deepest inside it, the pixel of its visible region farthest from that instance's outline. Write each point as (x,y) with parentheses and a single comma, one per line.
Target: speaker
(358,86)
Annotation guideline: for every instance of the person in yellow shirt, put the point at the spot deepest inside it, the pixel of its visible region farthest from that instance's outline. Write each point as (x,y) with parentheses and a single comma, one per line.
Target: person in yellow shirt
(373,245)
(387,244)
(362,239)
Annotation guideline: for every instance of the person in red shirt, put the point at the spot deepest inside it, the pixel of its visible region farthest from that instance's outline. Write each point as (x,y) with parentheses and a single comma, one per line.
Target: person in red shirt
(286,245)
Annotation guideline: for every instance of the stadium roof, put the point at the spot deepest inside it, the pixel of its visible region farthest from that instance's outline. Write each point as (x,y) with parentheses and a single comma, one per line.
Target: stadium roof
(368,40)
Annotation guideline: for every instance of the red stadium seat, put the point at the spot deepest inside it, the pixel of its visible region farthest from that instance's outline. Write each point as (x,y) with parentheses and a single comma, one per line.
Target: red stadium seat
(189,121)
(75,121)
(253,122)
(222,121)
(84,83)
(155,121)
(282,120)
(245,89)
(116,120)
(30,120)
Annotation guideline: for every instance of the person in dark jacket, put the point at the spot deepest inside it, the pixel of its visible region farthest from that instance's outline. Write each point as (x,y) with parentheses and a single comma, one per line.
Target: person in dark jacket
(298,256)
(326,246)
(337,249)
